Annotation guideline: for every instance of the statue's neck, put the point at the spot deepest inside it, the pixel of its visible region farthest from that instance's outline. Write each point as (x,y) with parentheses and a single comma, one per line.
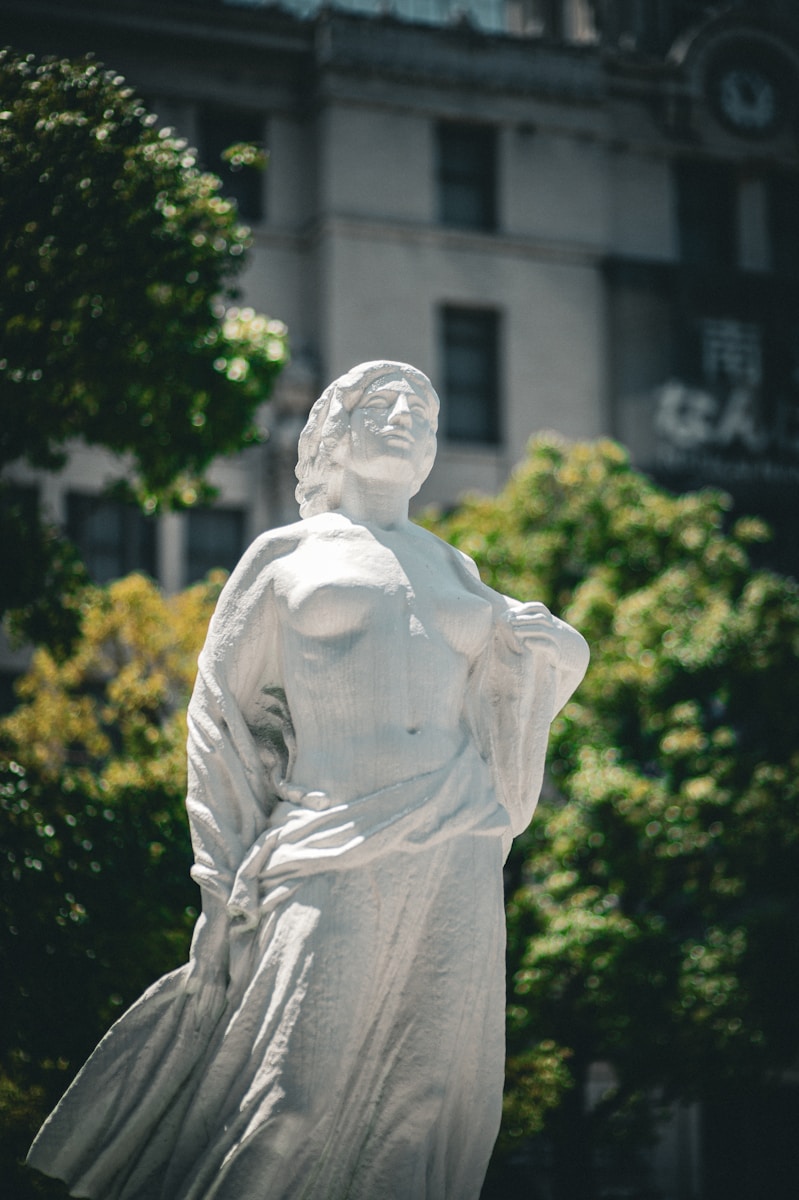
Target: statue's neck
(383,502)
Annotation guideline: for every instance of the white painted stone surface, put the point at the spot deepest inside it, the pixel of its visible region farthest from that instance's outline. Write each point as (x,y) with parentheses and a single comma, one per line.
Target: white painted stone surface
(366,735)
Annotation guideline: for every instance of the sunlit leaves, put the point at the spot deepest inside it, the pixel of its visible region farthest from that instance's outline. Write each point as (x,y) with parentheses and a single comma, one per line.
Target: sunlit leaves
(654,918)
(96,900)
(94,847)
(536,1080)
(117,289)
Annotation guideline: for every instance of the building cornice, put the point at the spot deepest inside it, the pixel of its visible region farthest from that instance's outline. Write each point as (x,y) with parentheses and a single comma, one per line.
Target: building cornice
(645,103)
(456,55)
(206,23)
(355,227)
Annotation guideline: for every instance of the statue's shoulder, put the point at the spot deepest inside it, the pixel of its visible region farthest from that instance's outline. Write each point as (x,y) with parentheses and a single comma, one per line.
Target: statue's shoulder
(275,544)
(439,546)
(467,563)
(255,571)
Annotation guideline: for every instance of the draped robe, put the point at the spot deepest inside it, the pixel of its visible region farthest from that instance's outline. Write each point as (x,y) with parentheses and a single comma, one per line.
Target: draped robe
(360,1050)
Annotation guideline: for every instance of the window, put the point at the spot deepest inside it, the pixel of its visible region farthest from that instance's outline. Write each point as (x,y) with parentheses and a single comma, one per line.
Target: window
(707,214)
(215,539)
(217,131)
(20,505)
(469,339)
(749,1146)
(467,176)
(783,224)
(113,538)
(25,496)
(8,694)
(19,527)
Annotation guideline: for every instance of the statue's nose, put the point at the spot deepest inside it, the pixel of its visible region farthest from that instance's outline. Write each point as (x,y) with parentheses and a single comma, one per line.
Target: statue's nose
(400,411)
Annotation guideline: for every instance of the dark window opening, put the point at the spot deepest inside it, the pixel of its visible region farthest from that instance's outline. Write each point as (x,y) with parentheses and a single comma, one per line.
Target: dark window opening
(470,374)
(783,224)
(467,176)
(707,215)
(217,131)
(113,538)
(21,533)
(749,1146)
(23,499)
(215,539)
(8,695)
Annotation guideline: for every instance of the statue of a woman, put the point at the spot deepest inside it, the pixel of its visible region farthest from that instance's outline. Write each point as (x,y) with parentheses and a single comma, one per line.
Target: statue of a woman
(366,735)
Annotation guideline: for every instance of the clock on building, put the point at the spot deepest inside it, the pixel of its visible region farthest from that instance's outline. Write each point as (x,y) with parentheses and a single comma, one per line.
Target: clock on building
(747,93)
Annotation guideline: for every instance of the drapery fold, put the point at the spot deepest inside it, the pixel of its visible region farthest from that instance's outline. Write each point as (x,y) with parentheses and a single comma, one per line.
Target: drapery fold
(138,1113)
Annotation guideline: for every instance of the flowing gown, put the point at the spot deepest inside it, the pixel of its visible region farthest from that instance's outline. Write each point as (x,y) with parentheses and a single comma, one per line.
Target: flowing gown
(360,1050)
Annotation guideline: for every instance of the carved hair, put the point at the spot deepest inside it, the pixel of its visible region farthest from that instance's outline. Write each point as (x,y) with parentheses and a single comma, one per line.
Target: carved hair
(320,461)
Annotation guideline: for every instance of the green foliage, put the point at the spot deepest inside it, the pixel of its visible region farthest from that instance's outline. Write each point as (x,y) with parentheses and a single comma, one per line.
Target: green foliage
(43,576)
(653,912)
(536,1079)
(118,263)
(654,917)
(94,848)
(117,253)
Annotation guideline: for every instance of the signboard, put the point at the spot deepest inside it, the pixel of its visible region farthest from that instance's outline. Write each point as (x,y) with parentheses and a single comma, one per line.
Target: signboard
(731,428)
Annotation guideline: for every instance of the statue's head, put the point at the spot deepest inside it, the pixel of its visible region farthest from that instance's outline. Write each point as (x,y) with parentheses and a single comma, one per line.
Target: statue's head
(325,441)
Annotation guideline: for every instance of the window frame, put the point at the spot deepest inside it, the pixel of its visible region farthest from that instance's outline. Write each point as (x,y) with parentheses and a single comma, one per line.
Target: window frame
(478,179)
(191,573)
(247,182)
(707,214)
(484,411)
(136,544)
(782,223)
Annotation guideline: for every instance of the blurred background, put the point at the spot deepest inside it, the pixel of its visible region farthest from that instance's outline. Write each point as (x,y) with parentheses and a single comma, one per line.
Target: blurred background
(574,216)
(577,216)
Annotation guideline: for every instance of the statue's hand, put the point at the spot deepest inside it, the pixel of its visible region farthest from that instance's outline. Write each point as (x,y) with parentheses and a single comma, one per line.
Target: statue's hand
(534,626)
(207,976)
(209,1001)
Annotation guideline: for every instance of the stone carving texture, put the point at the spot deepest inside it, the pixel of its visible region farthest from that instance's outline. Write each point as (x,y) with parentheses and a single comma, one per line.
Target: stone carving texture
(366,735)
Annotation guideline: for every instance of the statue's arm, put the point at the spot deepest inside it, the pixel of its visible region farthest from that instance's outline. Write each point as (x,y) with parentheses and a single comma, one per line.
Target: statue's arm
(533,663)
(541,633)
(228,796)
(543,636)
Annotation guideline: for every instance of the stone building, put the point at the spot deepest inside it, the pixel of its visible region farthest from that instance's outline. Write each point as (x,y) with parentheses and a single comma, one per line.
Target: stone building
(573,215)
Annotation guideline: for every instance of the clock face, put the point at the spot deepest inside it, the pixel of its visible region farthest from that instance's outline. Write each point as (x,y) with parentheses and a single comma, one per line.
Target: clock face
(747,99)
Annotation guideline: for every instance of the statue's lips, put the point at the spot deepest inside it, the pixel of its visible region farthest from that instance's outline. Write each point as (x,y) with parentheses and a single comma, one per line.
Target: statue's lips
(396,435)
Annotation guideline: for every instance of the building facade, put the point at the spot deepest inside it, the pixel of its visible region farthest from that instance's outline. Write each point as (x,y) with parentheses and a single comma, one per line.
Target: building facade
(574,216)
(579,215)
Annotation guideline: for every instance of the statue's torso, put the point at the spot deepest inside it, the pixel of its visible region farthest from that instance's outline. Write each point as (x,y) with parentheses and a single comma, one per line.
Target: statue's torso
(378,633)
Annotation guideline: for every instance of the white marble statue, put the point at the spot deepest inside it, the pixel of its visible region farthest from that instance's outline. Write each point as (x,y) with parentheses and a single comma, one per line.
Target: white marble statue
(366,736)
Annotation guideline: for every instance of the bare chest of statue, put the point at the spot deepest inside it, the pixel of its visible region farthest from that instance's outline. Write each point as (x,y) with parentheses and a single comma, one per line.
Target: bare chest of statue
(352,583)
(392,629)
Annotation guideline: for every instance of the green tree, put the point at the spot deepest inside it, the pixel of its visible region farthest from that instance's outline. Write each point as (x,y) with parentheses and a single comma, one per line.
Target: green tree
(654,907)
(97,901)
(119,260)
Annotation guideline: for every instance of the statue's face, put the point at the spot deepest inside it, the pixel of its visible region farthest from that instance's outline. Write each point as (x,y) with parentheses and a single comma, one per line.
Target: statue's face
(392,428)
